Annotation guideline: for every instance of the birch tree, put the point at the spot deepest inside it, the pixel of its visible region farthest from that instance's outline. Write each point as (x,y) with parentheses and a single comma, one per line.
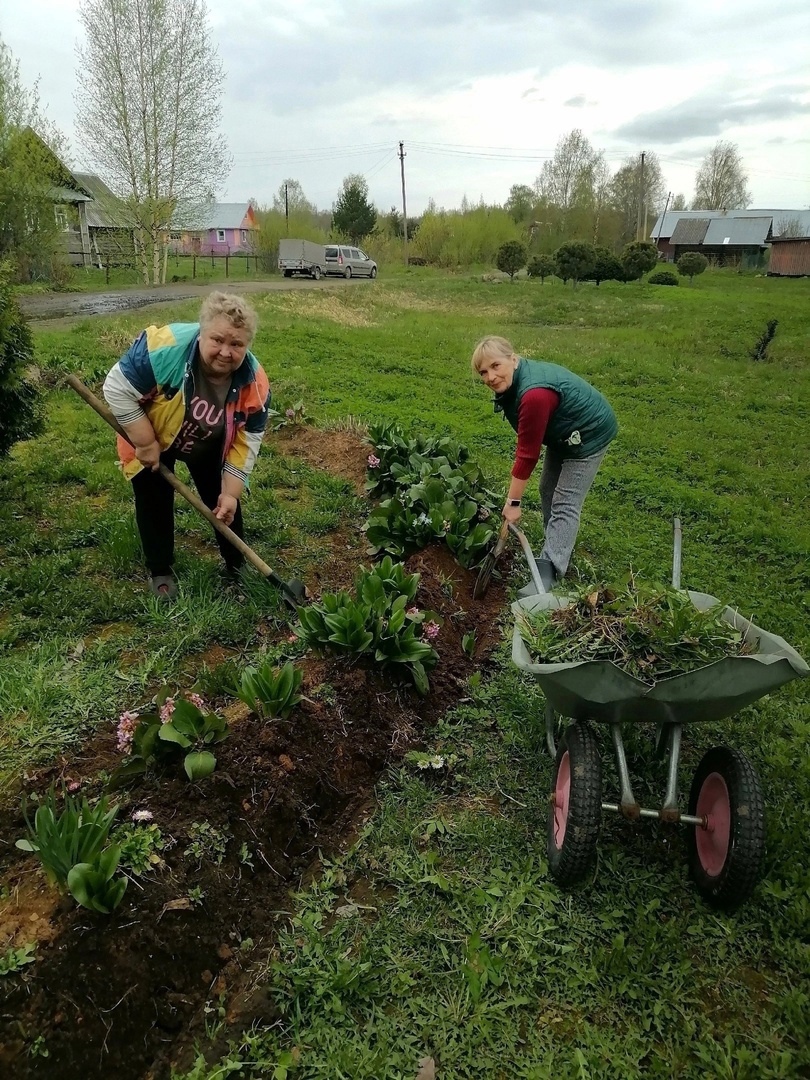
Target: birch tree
(721,181)
(148,108)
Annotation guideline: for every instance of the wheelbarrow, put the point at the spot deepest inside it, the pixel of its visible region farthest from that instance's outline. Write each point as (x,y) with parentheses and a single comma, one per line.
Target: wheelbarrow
(725,813)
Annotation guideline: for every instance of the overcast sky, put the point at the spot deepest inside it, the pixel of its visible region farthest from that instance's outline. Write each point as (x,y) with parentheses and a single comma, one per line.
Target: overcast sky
(479,90)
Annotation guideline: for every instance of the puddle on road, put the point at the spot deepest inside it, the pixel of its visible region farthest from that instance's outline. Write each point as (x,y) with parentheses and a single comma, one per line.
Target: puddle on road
(98,304)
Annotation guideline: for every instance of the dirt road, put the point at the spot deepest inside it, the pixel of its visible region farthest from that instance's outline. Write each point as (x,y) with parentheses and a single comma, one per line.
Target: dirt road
(47,306)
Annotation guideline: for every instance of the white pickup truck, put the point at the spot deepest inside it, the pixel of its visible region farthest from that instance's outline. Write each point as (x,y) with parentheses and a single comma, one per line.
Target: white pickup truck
(301,257)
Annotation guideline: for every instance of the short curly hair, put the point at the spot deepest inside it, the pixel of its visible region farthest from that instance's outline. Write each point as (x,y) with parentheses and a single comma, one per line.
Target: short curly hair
(235,308)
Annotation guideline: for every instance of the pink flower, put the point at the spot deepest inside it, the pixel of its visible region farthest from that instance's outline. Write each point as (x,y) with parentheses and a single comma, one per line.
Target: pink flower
(166,710)
(290,414)
(127,723)
(373,461)
(74,785)
(413,612)
(142,815)
(431,630)
(195,699)
(483,513)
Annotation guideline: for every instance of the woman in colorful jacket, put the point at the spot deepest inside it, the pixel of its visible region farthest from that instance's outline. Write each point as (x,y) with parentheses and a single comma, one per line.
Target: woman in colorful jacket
(190,392)
(548,405)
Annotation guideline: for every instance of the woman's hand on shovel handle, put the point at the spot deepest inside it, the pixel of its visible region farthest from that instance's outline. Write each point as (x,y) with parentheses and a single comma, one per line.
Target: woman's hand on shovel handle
(225,509)
(149,456)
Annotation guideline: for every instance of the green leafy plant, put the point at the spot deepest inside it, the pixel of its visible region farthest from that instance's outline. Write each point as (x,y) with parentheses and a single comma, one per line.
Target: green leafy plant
(93,885)
(15,959)
(468,643)
(64,839)
(207,843)
(377,622)
(271,692)
(177,724)
(139,846)
(651,631)
(294,415)
(20,399)
(435,493)
(541,266)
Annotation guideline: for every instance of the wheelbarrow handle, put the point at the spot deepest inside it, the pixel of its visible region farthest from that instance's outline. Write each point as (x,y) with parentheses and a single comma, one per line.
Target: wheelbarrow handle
(182,489)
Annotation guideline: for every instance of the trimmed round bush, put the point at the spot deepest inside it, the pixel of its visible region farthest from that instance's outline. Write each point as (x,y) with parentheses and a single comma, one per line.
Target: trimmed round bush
(663,277)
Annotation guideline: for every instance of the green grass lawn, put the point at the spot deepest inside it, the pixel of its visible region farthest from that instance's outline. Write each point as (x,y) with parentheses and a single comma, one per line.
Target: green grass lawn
(457,945)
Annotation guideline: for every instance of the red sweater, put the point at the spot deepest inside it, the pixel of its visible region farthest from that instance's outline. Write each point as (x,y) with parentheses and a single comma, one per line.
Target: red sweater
(536,407)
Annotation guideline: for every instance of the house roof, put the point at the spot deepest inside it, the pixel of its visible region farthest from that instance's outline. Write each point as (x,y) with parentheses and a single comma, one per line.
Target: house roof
(105,211)
(220,216)
(738,231)
(666,224)
(67,195)
(690,231)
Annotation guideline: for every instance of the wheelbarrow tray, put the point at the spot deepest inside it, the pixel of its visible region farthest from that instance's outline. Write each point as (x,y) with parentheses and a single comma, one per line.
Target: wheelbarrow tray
(599,690)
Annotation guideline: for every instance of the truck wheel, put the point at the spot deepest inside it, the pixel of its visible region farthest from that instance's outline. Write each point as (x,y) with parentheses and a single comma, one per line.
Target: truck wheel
(726,855)
(316,273)
(288,273)
(575,811)
(347,273)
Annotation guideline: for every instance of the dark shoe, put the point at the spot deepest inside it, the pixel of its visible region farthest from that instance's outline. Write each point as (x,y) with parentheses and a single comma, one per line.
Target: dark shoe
(163,587)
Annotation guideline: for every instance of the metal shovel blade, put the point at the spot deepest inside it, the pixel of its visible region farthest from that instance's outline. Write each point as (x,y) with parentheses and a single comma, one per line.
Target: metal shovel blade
(488,565)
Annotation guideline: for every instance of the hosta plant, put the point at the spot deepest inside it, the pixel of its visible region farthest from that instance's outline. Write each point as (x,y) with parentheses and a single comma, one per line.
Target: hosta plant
(62,838)
(379,622)
(271,692)
(434,493)
(94,885)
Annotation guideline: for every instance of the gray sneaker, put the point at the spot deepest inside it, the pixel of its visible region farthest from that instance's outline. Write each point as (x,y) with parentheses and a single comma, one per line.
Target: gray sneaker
(163,586)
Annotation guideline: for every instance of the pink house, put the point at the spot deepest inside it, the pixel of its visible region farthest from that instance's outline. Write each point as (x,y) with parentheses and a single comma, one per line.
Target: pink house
(225,229)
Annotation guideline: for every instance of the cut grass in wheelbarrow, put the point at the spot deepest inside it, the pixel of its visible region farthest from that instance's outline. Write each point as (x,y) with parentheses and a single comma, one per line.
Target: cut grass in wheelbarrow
(725,811)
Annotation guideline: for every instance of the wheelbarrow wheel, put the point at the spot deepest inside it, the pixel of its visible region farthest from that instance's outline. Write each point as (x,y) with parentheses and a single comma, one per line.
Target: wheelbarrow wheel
(575,810)
(726,853)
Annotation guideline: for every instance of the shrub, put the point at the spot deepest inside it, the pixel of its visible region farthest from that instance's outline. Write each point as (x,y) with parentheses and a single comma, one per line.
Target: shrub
(21,415)
(663,277)
(639,257)
(575,261)
(379,622)
(541,266)
(511,257)
(606,267)
(691,263)
(270,692)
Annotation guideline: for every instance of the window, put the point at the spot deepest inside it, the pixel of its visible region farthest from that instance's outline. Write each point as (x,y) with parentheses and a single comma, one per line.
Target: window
(243,236)
(331,253)
(220,236)
(175,236)
(355,253)
(61,215)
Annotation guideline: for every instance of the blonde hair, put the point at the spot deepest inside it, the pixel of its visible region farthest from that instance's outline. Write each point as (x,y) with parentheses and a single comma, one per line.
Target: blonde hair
(490,346)
(236,310)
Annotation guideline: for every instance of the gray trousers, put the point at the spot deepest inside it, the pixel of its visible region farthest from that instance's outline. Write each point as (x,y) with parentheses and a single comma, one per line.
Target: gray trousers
(564,483)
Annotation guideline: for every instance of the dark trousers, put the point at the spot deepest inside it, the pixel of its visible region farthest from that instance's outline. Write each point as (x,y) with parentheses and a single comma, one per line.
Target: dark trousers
(154,512)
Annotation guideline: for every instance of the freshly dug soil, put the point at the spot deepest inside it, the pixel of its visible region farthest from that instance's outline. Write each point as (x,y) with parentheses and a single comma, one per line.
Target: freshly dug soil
(122,996)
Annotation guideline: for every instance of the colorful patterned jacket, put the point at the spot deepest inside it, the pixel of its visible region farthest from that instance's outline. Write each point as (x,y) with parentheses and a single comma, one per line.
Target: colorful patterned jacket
(154,378)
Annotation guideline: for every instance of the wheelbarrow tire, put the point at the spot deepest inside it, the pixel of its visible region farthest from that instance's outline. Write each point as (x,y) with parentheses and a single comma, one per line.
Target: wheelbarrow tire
(575,809)
(726,858)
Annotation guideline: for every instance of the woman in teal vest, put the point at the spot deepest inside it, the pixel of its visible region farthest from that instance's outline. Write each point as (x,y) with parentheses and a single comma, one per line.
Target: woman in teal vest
(548,405)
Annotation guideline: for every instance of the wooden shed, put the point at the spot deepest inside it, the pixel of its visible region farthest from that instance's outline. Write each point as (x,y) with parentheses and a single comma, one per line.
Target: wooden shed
(790,256)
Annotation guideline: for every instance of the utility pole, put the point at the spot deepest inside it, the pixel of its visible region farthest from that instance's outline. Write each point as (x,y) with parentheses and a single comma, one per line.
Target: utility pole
(663,215)
(286,210)
(404,208)
(640,196)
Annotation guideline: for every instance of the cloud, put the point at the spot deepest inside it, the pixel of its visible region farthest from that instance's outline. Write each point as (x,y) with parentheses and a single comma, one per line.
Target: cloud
(578,102)
(711,114)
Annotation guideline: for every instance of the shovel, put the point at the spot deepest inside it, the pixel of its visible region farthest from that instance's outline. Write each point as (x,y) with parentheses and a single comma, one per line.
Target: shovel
(293,591)
(488,565)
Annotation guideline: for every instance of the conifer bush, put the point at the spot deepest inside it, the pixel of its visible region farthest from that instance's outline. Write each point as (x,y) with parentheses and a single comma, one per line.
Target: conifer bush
(20,400)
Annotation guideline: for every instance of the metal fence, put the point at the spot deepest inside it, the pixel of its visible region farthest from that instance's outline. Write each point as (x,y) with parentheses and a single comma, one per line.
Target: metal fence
(107,261)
